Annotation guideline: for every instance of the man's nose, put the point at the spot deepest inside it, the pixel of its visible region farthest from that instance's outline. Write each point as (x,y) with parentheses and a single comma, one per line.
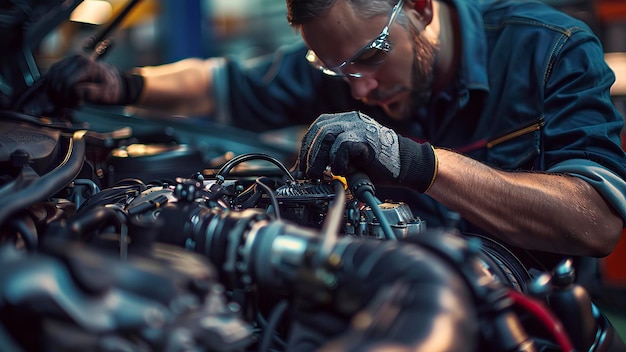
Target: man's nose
(360,87)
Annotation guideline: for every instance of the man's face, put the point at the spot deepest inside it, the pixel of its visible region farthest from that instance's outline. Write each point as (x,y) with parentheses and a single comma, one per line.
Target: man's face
(402,83)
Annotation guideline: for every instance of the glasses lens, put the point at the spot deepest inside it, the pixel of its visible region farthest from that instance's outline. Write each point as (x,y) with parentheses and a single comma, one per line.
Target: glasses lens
(368,60)
(316,63)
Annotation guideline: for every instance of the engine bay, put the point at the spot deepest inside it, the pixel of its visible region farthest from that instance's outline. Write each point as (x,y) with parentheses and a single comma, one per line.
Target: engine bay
(143,240)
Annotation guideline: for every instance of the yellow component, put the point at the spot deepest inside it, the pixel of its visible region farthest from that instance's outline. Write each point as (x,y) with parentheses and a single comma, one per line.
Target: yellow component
(143,11)
(340,179)
(334,259)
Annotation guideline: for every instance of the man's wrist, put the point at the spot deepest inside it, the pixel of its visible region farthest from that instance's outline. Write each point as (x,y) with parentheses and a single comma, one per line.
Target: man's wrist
(419,164)
(133,87)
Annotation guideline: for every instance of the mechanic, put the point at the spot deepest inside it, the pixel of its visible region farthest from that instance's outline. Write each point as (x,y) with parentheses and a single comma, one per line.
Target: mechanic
(497,110)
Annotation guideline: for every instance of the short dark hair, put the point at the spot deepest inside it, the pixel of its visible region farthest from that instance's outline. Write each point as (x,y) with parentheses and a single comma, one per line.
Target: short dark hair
(300,12)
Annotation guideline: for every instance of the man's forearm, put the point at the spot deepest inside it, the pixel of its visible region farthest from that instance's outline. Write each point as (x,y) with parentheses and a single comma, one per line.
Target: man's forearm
(538,211)
(181,88)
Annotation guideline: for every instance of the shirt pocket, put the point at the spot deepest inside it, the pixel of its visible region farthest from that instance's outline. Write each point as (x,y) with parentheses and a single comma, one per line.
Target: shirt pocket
(517,149)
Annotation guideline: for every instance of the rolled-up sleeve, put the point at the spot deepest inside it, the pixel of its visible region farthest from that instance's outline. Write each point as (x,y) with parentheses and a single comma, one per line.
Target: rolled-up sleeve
(611,186)
(582,128)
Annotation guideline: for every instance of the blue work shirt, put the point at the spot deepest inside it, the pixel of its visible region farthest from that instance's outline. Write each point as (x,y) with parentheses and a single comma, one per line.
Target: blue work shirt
(532,93)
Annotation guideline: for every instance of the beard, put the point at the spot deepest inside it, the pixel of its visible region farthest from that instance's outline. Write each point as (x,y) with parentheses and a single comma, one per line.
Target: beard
(423,71)
(422,78)
(422,75)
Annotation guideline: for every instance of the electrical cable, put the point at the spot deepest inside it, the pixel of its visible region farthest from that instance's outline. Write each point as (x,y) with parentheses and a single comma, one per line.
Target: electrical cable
(112,195)
(262,324)
(272,197)
(227,167)
(272,323)
(373,203)
(363,189)
(551,323)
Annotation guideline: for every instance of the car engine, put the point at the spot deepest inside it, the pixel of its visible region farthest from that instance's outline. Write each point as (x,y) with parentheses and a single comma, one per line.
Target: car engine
(100,252)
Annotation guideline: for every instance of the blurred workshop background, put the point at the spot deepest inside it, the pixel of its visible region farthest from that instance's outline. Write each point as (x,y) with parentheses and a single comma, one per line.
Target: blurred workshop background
(161,31)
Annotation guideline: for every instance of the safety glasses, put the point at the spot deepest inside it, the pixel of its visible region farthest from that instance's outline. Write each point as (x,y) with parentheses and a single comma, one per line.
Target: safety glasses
(367,60)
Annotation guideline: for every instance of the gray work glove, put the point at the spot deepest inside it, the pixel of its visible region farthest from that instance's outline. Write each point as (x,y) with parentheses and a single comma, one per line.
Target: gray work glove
(353,141)
(78,79)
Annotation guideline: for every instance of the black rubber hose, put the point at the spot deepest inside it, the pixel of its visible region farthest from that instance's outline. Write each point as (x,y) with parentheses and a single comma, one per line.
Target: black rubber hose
(83,226)
(24,191)
(229,165)
(27,230)
(277,313)
(363,189)
(408,294)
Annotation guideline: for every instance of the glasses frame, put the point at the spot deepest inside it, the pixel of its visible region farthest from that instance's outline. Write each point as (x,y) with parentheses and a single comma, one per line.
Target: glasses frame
(381,43)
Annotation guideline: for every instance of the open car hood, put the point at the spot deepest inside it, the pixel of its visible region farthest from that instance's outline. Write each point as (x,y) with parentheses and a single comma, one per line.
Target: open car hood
(23,24)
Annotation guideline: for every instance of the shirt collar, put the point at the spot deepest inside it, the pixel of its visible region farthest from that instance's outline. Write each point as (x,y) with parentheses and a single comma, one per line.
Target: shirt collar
(473,71)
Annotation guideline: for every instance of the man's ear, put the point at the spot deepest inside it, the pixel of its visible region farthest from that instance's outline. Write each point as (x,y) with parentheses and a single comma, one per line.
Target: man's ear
(423,10)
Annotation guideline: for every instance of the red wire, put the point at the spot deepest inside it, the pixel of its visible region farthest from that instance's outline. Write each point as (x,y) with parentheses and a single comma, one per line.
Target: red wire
(545,316)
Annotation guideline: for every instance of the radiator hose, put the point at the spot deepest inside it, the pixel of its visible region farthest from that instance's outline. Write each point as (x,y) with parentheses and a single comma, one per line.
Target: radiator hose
(384,296)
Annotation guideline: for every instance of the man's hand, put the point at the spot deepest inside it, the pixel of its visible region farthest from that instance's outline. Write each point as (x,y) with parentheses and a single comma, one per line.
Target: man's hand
(353,141)
(78,79)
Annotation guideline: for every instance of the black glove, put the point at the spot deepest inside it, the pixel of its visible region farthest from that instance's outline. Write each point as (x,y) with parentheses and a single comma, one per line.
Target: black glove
(353,141)
(78,79)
